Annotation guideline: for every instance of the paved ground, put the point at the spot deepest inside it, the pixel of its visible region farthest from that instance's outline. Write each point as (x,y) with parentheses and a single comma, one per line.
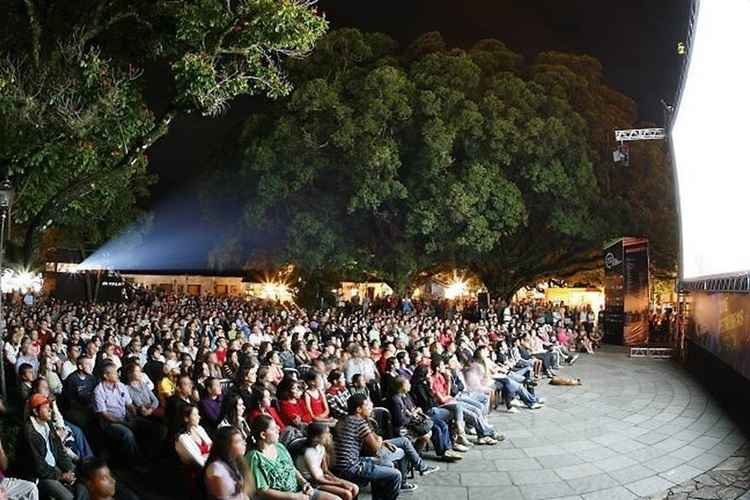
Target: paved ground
(728,480)
(636,428)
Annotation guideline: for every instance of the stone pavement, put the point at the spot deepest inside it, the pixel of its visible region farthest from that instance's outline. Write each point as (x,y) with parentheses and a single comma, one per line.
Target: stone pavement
(635,428)
(727,481)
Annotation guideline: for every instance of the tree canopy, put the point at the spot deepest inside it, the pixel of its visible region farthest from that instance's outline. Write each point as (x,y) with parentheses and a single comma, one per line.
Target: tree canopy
(385,162)
(74,124)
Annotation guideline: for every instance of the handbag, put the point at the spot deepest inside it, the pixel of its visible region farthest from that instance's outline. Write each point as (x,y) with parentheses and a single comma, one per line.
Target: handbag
(420,425)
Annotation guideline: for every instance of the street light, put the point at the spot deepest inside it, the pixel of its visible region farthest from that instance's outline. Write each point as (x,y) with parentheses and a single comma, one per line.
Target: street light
(6,202)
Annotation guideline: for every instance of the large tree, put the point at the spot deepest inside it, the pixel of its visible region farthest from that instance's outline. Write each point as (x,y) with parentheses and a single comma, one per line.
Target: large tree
(384,163)
(74,125)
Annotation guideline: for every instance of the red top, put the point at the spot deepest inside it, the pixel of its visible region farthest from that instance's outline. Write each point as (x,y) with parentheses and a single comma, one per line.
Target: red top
(273,413)
(316,404)
(290,409)
(204,447)
(439,387)
(221,355)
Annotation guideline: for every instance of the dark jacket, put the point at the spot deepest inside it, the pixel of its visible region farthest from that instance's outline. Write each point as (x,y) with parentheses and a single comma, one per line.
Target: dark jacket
(422,396)
(38,450)
(402,405)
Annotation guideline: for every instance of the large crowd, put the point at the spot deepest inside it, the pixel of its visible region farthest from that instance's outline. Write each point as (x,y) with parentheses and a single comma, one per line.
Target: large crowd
(243,399)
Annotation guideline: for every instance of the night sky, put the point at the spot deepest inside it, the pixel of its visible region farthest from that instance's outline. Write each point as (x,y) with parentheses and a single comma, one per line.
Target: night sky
(635,41)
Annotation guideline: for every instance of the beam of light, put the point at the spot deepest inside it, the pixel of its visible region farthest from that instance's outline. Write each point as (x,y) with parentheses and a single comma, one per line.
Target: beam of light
(172,238)
(21,280)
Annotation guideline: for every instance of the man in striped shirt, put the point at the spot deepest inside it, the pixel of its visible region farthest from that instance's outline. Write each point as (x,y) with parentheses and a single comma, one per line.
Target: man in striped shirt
(353,436)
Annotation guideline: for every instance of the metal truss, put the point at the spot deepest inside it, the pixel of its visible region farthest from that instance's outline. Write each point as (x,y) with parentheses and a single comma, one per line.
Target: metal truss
(640,134)
(736,283)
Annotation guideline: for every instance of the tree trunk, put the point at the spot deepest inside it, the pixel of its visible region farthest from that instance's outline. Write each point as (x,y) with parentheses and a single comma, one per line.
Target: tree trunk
(28,244)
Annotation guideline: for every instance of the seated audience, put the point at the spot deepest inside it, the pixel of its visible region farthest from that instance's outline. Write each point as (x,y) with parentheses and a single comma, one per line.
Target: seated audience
(193,443)
(210,403)
(227,475)
(233,414)
(12,488)
(271,466)
(313,464)
(53,468)
(114,408)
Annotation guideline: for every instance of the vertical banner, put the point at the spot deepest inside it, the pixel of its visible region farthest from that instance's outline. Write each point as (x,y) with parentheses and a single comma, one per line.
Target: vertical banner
(626,291)
(614,293)
(636,282)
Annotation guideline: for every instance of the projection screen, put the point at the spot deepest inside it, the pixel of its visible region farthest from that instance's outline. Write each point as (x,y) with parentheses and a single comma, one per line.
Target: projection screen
(711,140)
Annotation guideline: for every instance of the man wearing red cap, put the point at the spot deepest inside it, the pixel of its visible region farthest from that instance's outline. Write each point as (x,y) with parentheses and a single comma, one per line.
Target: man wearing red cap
(52,466)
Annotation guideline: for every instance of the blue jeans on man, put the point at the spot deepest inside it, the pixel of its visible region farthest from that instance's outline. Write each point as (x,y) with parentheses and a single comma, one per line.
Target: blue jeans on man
(386,480)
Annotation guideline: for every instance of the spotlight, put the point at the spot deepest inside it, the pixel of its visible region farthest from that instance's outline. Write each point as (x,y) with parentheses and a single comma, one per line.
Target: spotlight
(456,289)
(622,155)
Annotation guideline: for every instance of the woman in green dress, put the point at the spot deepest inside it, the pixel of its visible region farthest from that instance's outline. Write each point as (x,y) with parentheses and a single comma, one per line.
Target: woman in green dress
(272,468)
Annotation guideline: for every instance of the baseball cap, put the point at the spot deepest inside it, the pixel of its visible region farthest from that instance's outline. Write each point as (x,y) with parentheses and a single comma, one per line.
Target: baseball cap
(38,400)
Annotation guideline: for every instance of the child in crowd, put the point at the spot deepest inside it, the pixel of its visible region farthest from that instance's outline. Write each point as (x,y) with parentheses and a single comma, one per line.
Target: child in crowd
(314,400)
(359,386)
(313,464)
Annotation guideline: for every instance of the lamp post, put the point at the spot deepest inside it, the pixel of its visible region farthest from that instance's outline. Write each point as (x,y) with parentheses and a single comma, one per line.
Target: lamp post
(6,201)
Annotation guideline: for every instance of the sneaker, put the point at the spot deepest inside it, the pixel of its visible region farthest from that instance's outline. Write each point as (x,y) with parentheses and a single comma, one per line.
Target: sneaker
(452,455)
(460,447)
(429,469)
(541,401)
(407,487)
(471,431)
(486,440)
(512,409)
(535,406)
(463,440)
(497,436)
(516,403)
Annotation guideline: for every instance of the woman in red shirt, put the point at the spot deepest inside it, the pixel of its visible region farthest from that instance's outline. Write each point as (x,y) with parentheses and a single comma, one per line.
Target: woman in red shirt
(261,405)
(292,406)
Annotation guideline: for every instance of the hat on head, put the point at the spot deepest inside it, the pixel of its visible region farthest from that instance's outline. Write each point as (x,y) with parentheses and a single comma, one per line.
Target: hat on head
(38,400)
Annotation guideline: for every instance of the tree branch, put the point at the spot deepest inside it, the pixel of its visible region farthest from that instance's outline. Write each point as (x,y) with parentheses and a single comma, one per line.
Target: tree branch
(83,186)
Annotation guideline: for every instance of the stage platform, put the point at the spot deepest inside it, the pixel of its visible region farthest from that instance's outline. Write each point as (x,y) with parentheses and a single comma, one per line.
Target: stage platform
(637,427)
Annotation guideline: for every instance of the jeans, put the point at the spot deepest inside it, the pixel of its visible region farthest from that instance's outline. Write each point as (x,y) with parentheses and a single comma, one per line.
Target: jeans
(81,445)
(475,418)
(457,412)
(440,413)
(524,372)
(512,388)
(123,436)
(52,488)
(476,399)
(386,481)
(407,450)
(441,436)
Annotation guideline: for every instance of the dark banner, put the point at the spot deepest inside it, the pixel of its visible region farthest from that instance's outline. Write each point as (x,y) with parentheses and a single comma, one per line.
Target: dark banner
(720,323)
(636,291)
(614,293)
(75,287)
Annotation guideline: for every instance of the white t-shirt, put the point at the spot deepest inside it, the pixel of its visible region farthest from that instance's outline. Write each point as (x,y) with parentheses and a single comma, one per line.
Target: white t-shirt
(310,463)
